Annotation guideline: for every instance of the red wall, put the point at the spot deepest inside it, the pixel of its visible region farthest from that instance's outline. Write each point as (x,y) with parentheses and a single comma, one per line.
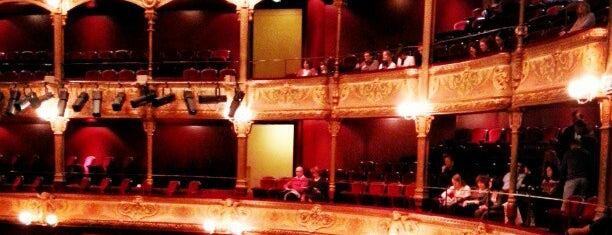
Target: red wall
(28,139)
(108,138)
(208,150)
(198,30)
(106,32)
(30,32)
(450,11)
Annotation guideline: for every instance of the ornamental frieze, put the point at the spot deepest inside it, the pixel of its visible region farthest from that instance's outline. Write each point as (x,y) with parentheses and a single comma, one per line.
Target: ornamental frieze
(137,209)
(315,219)
(470,83)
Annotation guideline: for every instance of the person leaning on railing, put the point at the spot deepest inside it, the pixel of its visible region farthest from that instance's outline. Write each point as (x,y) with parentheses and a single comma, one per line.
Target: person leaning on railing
(584,18)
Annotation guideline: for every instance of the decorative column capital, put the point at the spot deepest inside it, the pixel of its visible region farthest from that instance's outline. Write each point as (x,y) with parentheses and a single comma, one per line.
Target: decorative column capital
(516,119)
(57,17)
(423,125)
(149,126)
(604,112)
(334,127)
(242,128)
(58,125)
(338,3)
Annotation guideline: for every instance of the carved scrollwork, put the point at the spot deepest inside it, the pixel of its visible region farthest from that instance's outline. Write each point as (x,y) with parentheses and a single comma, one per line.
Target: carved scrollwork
(501,80)
(283,96)
(315,219)
(376,91)
(137,209)
(400,224)
(464,82)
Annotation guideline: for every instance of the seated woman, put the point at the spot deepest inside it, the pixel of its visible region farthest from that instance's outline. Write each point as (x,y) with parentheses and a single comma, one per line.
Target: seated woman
(549,188)
(387,61)
(307,69)
(452,199)
(493,207)
(479,195)
(584,18)
(317,187)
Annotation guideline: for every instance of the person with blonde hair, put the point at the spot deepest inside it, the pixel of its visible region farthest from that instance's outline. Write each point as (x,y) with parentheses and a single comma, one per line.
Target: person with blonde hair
(584,18)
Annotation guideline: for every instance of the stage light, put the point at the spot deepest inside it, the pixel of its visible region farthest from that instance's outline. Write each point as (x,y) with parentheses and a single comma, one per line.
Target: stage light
(26,101)
(80,101)
(96,103)
(189,101)
(118,101)
(212,99)
(63,102)
(36,101)
(163,100)
(13,98)
(238,96)
(146,96)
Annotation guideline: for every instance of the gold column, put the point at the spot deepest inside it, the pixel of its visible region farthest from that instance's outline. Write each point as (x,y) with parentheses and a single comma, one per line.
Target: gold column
(149,127)
(58,126)
(516,63)
(608,174)
(604,115)
(58,21)
(242,130)
(150,15)
(422,126)
(428,30)
(243,14)
(516,118)
(338,4)
(334,128)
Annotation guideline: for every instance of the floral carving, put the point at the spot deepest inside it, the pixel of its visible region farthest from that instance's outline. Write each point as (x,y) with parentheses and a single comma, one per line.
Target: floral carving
(501,80)
(230,210)
(137,209)
(464,82)
(315,219)
(376,90)
(401,225)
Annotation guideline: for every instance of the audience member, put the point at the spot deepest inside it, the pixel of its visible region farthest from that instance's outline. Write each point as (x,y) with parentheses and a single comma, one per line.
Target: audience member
(369,63)
(484,44)
(584,18)
(574,168)
(479,195)
(447,172)
(527,186)
(405,60)
(294,188)
(569,133)
(502,42)
(519,177)
(600,226)
(493,207)
(317,187)
(386,61)
(550,160)
(549,188)
(451,200)
(473,50)
(307,69)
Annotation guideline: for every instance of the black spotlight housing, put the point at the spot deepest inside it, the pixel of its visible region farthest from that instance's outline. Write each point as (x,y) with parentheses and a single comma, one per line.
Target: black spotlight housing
(189,101)
(96,103)
(238,96)
(26,101)
(119,101)
(146,96)
(212,99)
(80,101)
(13,98)
(36,101)
(163,100)
(62,102)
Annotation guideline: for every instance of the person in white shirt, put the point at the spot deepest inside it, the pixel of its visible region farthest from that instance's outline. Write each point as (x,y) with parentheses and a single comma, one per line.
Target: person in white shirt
(386,61)
(584,18)
(405,60)
(307,69)
(452,199)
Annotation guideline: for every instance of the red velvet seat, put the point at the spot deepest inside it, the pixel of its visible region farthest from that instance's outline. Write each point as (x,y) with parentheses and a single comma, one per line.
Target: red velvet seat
(479,135)
(102,187)
(191,74)
(266,183)
(123,187)
(79,186)
(496,135)
(109,75)
(93,75)
(227,75)
(357,189)
(126,75)
(209,74)
(551,135)
(193,188)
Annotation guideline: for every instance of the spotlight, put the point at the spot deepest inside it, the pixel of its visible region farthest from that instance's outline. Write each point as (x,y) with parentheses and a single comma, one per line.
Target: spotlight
(63,102)
(118,101)
(212,99)
(238,96)
(80,101)
(189,101)
(163,100)
(26,101)
(146,96)
(13,98)
(96,103)
(35,101)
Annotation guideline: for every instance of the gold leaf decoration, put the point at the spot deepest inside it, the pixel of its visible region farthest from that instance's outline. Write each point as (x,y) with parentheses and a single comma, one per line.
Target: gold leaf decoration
(319,95)
(464,82)
(315,219)
(376,90)
(137,209)
(283,96)
(501,80)
(400,224)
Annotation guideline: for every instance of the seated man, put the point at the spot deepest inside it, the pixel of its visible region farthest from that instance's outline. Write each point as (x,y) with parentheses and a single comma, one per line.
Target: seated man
(294,189)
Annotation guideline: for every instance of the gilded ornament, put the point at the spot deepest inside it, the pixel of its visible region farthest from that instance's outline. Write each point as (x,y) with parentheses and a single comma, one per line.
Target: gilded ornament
(137,209)
(315,219)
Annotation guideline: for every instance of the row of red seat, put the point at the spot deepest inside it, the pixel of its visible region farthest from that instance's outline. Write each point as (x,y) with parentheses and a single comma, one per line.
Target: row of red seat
(23,75)
(379,194)
(129,55)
